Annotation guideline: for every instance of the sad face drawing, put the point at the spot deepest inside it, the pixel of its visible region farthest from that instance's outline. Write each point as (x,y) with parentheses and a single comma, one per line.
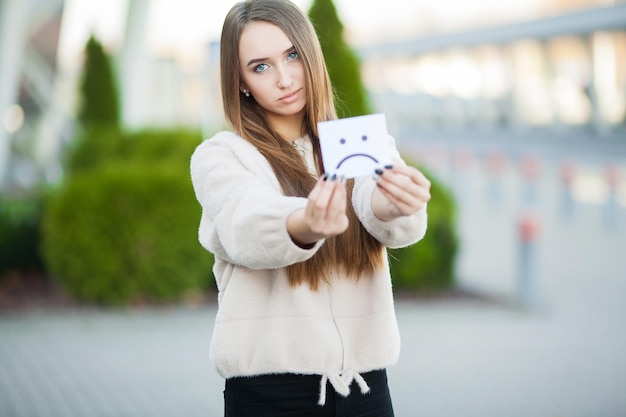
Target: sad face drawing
(357,152)
(354,146)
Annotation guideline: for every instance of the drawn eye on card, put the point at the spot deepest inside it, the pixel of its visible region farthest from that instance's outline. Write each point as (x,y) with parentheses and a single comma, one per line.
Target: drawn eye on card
(354,146)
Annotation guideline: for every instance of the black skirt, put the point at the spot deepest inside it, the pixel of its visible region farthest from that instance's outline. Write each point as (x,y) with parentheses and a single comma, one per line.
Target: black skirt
(294,395)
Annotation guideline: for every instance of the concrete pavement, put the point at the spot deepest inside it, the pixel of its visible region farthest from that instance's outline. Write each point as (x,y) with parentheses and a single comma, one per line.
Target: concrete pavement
(459,358)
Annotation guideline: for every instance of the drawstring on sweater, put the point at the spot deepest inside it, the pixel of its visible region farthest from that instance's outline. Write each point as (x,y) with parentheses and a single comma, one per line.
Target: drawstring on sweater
(341,384)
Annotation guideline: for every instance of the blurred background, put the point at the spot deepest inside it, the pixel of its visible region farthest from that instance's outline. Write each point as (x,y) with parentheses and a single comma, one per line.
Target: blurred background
(546,70)
(512,306)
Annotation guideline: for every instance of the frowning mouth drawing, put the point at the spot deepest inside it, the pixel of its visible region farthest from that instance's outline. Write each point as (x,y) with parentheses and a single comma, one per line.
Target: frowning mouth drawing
(356,155)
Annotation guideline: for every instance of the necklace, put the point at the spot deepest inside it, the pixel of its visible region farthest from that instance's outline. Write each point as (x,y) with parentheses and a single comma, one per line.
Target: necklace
(299,148)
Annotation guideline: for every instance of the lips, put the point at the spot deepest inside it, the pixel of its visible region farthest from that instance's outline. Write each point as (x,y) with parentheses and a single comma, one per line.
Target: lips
(290,97)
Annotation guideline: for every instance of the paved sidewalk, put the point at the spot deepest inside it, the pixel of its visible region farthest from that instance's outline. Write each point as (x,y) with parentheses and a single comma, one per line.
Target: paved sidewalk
(98,363)
(459,358)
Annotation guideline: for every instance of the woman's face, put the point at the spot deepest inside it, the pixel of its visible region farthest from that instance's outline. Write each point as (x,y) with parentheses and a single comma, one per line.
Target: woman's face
(272,71)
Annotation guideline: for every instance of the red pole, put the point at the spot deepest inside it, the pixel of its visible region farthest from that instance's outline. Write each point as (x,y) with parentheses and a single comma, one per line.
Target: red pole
(612,175)
(494,164)
(530,166)
(528,232)
(567,174)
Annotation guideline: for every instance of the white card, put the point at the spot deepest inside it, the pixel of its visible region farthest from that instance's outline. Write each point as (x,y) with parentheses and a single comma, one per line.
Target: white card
(355,146)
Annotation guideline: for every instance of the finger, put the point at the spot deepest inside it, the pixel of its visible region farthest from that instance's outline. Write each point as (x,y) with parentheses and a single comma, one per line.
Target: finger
(402,196)
(405,178)
(338,201)
(319,204)
(404,193)
(336,216)
(406,205)
(413,173)
(314,195)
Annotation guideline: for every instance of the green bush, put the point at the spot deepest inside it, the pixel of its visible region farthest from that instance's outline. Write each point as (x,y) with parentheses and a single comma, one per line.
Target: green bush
(19,234)
(99,101)
(429,264)
(94,146)
(105,145)
(124,226)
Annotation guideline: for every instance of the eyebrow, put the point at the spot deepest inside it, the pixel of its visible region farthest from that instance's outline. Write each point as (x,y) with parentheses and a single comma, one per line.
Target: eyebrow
(261,60)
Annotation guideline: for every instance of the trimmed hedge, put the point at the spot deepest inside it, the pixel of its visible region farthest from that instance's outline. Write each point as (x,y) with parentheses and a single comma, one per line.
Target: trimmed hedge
(124,226)
(429,264)
(19,234)
(99,99)
(107,144)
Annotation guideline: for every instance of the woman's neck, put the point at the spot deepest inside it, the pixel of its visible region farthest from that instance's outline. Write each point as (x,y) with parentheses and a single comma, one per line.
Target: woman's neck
(288,127)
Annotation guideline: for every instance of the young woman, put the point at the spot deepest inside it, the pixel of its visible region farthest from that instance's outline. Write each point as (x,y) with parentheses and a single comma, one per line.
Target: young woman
(306,323)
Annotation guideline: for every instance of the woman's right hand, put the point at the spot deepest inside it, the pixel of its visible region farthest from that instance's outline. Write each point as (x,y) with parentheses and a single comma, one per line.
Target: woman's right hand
(325,213)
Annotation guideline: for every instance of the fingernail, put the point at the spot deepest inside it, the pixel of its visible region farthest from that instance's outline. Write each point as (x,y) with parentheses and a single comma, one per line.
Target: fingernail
(324,177)
(388,166)
(378,171)
(334,177)
(376,178)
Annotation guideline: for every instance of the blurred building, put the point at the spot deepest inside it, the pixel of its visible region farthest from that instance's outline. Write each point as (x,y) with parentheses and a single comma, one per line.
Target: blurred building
(32,116)
(563,73)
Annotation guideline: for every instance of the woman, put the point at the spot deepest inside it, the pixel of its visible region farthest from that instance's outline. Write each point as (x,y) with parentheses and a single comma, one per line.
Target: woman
(306,322)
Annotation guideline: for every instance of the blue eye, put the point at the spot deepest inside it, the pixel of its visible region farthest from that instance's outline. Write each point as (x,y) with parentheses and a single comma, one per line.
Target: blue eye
(260,67)
(292,56)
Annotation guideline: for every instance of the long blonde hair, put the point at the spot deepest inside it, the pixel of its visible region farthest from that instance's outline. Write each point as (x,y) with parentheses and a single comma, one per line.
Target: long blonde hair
(355,251)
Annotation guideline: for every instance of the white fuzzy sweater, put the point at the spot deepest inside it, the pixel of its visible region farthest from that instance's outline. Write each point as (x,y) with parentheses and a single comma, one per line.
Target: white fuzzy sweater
(263,324)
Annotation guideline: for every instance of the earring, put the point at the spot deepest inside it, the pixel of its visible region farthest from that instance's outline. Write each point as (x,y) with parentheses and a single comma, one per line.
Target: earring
(245,92)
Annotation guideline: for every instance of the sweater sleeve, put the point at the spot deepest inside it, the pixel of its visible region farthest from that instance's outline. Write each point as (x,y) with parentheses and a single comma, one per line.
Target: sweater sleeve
(400,232)
(244,213)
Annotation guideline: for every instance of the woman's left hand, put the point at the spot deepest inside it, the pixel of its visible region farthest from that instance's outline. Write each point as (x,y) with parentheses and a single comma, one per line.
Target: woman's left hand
(401,191)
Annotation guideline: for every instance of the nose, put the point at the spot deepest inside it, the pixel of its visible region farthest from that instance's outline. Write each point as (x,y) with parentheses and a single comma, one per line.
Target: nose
(284,77)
